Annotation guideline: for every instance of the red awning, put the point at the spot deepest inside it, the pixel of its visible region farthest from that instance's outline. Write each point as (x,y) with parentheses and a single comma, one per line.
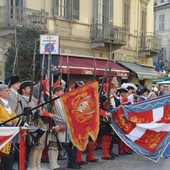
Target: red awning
(85,66)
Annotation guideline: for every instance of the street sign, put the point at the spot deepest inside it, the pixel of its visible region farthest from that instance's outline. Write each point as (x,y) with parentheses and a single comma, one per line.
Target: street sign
(49,44)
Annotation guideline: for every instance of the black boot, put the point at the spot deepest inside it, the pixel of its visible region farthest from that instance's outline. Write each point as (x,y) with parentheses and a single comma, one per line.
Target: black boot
(7,162)
(112,154)
(72,164)
(1,166)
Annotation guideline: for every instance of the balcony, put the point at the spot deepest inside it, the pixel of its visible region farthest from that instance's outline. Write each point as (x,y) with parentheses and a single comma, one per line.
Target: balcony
(14,15)
(149,44)
(104,35)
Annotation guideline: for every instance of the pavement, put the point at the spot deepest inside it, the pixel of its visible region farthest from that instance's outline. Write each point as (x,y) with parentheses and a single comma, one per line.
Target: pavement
(122,162)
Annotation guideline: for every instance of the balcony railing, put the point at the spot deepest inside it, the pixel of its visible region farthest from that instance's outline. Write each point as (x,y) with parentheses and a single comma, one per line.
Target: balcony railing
(13,15)
(107,33)
(150,42)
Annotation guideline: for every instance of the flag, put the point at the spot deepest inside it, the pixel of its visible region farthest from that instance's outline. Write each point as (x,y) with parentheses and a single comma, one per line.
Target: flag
(145,126)
(6,134)
(81,108)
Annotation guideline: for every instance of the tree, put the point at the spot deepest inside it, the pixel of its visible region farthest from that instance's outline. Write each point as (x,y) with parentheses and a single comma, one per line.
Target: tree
(25,42)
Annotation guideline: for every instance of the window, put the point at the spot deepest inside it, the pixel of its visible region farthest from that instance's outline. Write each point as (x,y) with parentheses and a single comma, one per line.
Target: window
(161,22)
(75,14)
(66,9)
(126,14)
(143,20)
(16,9)
(162,1)
(103,11)
(100,11)
(61,8)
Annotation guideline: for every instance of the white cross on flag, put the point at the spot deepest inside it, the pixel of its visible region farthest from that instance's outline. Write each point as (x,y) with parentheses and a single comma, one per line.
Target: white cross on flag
(145,126)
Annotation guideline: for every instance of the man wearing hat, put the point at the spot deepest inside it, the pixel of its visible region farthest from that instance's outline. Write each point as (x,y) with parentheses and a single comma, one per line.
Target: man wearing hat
(122,147)
(15,100)
(108,100)
(143,93)
(131,90)
(6,159)
(24,91)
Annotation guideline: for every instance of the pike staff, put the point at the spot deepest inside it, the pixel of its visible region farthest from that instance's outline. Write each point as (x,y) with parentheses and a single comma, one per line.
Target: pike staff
(61,58)
(41,78)
(68,73)
(33,71)
(50,79)
(94,63)
(15,61)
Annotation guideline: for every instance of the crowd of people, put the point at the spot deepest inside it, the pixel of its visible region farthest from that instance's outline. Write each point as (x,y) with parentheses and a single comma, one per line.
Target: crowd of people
(18,97)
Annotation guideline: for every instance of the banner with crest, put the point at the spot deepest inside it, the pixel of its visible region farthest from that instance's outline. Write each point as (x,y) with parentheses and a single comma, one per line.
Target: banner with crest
(81,107)
(145,126)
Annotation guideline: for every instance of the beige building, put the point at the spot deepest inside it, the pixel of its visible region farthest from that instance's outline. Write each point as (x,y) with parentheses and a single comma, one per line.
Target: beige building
(96,36)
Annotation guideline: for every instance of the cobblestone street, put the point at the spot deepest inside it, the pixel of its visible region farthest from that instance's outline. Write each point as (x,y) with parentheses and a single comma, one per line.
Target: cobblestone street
(125,162)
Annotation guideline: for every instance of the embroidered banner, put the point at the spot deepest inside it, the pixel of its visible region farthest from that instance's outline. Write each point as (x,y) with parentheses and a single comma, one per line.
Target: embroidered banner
(145,126)
(81,107)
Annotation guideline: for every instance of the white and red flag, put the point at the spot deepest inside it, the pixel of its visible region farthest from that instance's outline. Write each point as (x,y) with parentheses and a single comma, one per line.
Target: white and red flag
(6,134)
(145,126)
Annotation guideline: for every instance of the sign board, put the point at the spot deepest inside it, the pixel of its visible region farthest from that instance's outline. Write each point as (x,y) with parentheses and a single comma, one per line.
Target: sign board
(49,44)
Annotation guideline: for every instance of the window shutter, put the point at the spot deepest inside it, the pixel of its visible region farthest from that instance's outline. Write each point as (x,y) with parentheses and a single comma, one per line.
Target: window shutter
(75,11)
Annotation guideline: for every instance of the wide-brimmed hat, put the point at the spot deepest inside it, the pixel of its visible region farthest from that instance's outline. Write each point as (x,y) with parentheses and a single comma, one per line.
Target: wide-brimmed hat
(141,90)
(25,84)
(10,80)
(129,86)
(122,89)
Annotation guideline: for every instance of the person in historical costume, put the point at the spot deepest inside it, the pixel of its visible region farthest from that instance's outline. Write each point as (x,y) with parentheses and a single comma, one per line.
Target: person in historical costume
(106,132)
(14,99)
(122,147)
(24,91)
(57,131)
(39,117)
(131,90)
(16,103)
(143,94)
(6,113)
(62,83)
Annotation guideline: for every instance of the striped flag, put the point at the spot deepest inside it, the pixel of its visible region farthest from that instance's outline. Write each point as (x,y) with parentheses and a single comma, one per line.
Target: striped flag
(6,134)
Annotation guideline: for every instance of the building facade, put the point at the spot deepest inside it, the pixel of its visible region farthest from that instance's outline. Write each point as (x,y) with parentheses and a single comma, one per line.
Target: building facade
(97,37)
(162,27)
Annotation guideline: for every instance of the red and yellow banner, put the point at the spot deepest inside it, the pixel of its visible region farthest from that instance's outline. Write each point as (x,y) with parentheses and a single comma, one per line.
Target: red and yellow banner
(82,114)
